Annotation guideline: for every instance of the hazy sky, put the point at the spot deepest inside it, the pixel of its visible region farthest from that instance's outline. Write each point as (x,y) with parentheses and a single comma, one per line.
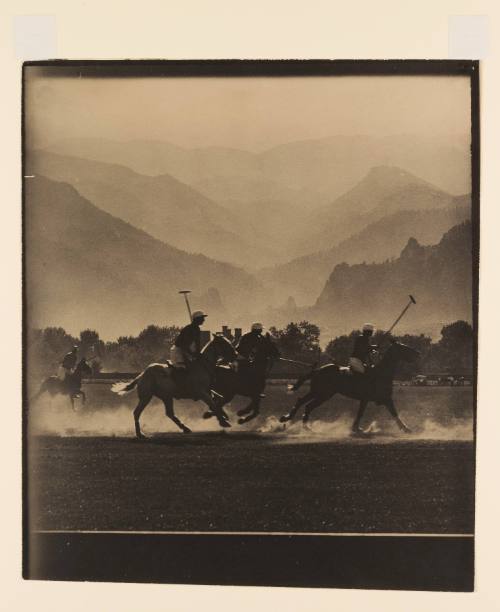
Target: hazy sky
(247,113)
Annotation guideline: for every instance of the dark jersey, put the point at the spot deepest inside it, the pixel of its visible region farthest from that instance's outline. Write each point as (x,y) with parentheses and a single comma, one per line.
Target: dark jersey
(187,336)
(69,361)
(248,345)
(362,348)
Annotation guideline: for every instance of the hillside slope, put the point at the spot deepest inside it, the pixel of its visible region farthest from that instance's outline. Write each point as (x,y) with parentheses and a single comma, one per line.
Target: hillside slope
(86,268)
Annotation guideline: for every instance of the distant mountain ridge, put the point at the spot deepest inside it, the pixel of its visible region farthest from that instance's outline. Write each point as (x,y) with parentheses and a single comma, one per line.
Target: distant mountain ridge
(162,206)
(329,165)
(303,278)
(439,276)
(384,190)
(86,268)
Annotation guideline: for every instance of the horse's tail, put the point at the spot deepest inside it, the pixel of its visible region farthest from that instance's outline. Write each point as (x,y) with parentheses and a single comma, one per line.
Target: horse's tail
(122,388)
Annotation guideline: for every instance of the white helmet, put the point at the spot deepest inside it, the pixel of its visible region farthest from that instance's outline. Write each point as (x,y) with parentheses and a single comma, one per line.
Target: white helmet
(257,327)
(197,314)
(368,327)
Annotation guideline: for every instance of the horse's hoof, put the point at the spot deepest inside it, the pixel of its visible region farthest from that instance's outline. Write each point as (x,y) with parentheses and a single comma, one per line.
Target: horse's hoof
(208,414)
(224,423)
(357,431)
(284,419)
(186,430)
(140,437)
(405,429)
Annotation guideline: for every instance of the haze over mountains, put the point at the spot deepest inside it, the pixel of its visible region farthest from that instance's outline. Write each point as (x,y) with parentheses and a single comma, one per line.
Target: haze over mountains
(329,166)
(161,205)
(86,268)
(272,229)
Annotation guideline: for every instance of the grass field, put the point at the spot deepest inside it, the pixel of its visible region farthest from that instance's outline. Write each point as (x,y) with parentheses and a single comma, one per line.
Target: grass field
(86,472)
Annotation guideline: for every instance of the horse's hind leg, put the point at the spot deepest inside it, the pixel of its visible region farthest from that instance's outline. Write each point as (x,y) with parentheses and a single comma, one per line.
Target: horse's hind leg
(356,426)
(389,404)
(169,411)
(311,406)
(300,402)
(143,402)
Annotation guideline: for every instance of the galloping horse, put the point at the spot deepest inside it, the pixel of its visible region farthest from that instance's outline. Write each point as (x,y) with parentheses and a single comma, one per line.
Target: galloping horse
(375,386)
(248,381)
(70,386)
(157,380)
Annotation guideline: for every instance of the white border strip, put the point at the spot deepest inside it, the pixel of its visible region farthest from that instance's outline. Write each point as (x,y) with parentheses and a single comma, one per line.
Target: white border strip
(261,533)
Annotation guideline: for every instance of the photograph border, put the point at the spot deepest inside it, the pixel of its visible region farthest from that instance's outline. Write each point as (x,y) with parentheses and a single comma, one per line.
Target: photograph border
(399,561)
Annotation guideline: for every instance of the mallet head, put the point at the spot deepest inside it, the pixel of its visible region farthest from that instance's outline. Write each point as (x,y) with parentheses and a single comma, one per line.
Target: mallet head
(413,299)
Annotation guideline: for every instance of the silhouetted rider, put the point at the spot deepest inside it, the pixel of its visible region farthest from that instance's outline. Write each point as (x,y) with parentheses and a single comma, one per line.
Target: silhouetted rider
(249,343)
(68,364)
(362,350)
(186,350)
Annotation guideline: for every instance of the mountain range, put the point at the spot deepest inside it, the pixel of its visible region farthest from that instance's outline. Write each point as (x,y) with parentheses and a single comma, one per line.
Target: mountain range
(328,166)
(439,276)
(162,206)
(249,237)
(380,240)
(86,268)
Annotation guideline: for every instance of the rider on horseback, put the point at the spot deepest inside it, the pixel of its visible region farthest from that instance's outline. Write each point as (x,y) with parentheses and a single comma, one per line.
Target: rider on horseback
(248,345)
(186,349)
(252,361)
(359,361)
(68,364)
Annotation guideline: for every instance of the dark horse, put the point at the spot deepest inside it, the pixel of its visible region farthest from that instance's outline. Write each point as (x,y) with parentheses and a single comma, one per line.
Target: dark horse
(158,380)
(248,381)
(70,386)
(375,386)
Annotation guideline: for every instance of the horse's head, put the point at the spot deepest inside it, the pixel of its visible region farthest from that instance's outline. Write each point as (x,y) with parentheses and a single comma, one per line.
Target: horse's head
(267,349)
(402,352)
(222,348)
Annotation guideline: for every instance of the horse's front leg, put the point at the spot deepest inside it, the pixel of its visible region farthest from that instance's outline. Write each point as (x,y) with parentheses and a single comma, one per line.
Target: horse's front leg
(252,411)
(221,403)
(84,397)
(389,404)
(356,426)
(300,402)
(216,409)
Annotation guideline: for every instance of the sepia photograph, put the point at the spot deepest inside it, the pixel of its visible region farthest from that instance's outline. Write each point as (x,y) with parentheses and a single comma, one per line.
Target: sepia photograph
(250,296)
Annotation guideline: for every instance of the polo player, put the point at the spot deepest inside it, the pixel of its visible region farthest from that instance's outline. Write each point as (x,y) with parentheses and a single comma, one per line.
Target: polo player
(68,364)
(187,348)
(362,350)
(248,344)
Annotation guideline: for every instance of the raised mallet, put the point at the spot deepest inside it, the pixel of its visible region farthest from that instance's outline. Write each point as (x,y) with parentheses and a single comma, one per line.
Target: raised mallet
(412,301)
(185,293)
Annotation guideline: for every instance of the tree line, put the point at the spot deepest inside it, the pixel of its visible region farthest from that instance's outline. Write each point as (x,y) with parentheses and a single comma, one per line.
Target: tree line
(452,353)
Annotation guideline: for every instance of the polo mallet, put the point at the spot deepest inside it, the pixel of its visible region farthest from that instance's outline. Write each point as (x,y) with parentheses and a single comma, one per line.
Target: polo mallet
(412,301)
(185,293)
